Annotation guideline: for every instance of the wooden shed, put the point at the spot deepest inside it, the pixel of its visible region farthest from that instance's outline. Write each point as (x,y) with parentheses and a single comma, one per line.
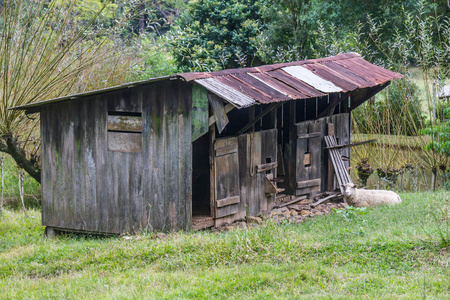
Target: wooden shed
(197,148)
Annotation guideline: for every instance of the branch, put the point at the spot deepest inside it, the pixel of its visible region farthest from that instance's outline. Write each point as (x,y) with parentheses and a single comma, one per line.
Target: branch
(30,166)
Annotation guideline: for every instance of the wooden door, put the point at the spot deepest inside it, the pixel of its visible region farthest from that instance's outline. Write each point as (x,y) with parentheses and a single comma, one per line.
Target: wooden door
(308,158)
(227,200)
(257,165)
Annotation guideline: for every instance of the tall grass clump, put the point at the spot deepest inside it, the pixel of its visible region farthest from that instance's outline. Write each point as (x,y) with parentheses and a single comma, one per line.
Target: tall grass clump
(422,41)
(45,53)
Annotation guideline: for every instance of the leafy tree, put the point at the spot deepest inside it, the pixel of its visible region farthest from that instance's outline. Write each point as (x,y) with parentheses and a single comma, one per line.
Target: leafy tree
(215,34)
(156,60)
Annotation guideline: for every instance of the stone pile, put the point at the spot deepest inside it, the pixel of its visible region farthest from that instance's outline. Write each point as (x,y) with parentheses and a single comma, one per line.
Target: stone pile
(294,213)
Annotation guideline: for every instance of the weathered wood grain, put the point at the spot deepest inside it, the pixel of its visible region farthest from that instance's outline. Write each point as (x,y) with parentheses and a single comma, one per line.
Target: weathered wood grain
(200,120)
(124,123)
(227,185)
(218,110)
(90,188)
(125,141)
(228,201)
(255,150)
(308,183)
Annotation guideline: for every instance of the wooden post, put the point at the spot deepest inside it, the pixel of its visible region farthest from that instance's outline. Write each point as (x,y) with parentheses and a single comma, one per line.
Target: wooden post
(49,232)
(212,174)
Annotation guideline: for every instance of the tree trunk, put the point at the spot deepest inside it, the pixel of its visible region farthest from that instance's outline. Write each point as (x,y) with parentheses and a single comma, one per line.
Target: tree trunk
(433,179)
(9,145)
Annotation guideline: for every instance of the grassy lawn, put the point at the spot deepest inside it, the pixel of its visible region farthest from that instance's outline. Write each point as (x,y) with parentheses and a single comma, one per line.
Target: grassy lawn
(391,252)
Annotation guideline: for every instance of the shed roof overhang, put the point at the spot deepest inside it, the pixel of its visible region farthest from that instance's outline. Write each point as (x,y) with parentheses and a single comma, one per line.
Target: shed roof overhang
(272,83)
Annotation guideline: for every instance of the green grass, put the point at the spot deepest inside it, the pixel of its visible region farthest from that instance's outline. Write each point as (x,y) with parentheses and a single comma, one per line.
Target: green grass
(391,252)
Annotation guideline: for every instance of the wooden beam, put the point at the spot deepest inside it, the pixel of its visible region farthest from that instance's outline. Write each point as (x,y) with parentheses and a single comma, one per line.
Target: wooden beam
(32,110)
(229,107)
(351,145)
(259,117)
(265,167)
(324,200)
(218,111)
(370,93)
(332,105)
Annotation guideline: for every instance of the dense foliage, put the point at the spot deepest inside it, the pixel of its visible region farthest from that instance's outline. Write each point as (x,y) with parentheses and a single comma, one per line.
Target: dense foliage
(215,34)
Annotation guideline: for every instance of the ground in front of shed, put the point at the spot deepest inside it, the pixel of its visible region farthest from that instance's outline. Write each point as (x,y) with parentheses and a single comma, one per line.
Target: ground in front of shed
(390,252)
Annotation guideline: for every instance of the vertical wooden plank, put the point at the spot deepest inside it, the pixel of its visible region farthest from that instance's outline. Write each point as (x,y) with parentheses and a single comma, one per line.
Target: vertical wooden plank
(171,192)
(246,192)
(100,153)
(212,170)
(136,171)
(248,159)
(80,164)
(258,178)
(158,117)
(58,182)
(199,123)
(147,150)
(123,161)
(112,174)
(68,163)
(323,154)
(90,171)
(47,167)
(270,143)
(302,171)
(184,157)
(315,148)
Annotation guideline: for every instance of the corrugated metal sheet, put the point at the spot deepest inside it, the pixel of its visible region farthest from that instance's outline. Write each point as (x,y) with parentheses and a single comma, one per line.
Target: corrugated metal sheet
(294,80)
(312,79)
(227,93)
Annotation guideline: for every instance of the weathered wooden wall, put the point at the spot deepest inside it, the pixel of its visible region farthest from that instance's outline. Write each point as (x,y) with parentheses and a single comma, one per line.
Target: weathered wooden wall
(308,138)
(87,187)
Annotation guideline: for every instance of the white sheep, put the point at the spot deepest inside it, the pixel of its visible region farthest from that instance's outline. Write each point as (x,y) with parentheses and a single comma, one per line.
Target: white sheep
(366,198)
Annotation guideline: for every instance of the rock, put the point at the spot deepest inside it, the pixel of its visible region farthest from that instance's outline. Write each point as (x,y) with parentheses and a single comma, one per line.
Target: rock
(294,212)
(306,202)
(254,220)
(242,225)
(228,228)
(287,214)
(277,211)
(159,235)
(320,206)
(297,219)
(305,212)
(326,210)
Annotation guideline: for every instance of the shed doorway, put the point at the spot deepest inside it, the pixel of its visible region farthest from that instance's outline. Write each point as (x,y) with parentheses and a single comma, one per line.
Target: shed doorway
(201,193)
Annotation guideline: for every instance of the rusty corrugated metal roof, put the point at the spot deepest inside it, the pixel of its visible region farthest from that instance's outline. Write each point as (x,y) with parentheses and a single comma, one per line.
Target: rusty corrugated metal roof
(273,83)
(295,80)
